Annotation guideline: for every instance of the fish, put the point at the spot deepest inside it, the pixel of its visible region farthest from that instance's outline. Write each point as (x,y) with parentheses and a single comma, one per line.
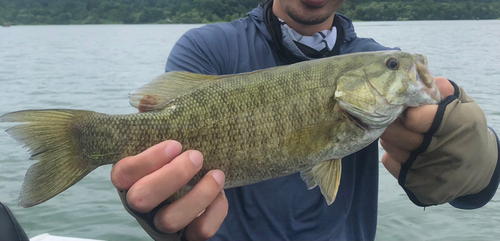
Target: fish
(253,126)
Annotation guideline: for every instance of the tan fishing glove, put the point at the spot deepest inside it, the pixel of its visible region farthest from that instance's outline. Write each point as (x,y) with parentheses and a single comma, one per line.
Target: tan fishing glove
(147,223)
(457,158)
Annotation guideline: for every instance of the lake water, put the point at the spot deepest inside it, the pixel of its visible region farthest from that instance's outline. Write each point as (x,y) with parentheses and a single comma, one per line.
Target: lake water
(95,67)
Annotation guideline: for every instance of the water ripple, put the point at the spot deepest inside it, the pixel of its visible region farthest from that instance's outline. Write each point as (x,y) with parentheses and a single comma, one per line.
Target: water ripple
(95,67)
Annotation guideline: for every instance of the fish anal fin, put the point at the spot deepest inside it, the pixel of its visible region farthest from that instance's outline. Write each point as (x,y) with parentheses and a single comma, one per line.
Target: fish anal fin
(156,94)
(326,175)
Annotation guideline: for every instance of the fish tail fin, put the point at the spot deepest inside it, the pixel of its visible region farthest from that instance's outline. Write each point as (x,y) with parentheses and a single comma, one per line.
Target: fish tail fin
(51,139)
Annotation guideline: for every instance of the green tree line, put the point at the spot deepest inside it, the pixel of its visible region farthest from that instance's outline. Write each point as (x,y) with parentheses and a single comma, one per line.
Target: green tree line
(28,12)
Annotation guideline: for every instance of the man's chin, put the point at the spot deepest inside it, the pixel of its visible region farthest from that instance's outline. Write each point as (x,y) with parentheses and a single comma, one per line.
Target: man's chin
(308,21)
(306,16)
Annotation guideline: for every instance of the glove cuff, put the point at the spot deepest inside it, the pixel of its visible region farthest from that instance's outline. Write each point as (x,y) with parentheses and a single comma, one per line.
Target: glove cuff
(146,220)
(481,198)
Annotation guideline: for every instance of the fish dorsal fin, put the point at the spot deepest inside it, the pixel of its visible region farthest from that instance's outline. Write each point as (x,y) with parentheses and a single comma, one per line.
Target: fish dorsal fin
(156,94)
(310,139)
(326,175)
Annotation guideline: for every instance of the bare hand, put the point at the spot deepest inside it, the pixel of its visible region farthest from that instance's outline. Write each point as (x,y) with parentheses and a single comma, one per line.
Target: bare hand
(405,135)
(155,174)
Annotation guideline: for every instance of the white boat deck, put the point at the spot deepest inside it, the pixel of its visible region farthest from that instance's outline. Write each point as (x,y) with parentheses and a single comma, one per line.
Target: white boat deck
(48,237)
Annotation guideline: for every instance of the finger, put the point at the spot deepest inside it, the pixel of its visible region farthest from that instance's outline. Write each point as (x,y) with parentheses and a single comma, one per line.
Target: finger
(205,226)
(399,136)
(129,170)
(419,119)
(397,154)
(180,213)
(156,187)
(445,87)
(393,166)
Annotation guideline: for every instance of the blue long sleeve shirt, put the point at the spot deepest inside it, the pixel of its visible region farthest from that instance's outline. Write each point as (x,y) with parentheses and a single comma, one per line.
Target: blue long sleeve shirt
(283,208)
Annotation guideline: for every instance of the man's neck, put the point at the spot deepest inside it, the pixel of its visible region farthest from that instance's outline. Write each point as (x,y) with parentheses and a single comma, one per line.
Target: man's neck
(305,30)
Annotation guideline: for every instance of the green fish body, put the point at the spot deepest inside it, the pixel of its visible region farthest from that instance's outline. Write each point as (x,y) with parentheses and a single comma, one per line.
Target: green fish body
(253,126)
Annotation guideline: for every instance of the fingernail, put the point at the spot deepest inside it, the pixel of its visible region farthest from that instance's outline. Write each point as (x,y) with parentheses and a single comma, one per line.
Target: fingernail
(218,176)
(196,158)
(172,149)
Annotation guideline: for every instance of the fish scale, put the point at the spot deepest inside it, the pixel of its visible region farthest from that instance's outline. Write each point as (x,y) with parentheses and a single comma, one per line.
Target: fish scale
(253,126)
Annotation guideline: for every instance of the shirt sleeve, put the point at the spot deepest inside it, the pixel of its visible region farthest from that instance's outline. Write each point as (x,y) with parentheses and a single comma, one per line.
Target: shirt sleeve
(200,50)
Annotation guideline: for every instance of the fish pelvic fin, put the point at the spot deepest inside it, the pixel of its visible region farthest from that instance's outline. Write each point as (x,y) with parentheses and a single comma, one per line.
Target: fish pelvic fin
(48,135)
(156,94)
(326,175)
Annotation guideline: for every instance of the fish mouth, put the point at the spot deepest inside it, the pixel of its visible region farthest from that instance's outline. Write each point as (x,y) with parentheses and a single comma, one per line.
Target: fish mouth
(424,78)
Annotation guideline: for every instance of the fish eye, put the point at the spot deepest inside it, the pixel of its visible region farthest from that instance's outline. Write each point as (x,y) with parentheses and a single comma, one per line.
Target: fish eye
(392,64)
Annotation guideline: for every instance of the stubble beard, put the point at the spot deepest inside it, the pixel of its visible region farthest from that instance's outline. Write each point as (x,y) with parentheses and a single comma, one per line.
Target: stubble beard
(306,19)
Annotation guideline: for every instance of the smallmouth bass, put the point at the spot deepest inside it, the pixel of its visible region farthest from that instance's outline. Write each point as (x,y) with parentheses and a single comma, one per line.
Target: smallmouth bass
(253,126)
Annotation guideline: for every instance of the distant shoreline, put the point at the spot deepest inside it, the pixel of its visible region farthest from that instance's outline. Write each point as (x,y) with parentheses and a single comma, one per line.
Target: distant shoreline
(75,12)
(356,21)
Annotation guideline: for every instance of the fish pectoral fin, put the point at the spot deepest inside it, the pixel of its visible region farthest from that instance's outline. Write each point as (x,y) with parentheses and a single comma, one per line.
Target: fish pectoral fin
(310,139)
(156,94)
(326,175)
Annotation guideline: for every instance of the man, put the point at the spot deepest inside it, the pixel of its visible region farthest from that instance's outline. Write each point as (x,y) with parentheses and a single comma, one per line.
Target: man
(439,153)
